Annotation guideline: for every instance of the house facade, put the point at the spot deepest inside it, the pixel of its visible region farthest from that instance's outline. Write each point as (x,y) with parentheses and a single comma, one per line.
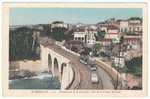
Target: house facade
(124,26)
(112,32)
(86,35)
(135,26)
(58,24)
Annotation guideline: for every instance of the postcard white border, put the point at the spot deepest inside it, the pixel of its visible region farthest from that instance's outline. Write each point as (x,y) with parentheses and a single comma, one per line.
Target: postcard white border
(89,93)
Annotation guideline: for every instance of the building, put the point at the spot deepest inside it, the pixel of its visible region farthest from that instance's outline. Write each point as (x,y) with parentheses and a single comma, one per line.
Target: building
(112,32)
(133,41)
(79,25)
(131,26)
(58,24)
(90,34)
(74,45)
(106,42)
(102,26)
(124,26)
(119,62)
(85,35)
(79,34)
(135,26)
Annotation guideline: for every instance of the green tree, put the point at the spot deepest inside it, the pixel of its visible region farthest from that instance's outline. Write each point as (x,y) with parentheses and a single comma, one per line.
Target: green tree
(20,44)
(58,33)
(69,35)
(100,35)
(134,66)
(96,49)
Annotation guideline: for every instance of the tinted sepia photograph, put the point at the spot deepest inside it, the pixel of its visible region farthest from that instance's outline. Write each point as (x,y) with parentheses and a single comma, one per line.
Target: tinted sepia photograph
(78,47)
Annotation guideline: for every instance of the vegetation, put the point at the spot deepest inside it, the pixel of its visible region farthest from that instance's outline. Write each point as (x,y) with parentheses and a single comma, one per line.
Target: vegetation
(100,35)
(20,44)
(134,66)
(104,54)
(135,18)
(69,35)
(96,49)
(86,51)
(58,33)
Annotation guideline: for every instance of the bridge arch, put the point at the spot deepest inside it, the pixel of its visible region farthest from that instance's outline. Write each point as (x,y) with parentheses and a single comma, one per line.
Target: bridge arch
(56,67)
(49,62)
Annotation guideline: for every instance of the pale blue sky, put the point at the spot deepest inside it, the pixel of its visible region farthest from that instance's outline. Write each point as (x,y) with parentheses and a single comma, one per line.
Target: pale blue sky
(22,16)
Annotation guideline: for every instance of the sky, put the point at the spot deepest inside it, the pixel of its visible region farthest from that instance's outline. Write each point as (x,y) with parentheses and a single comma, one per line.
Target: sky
(25,16)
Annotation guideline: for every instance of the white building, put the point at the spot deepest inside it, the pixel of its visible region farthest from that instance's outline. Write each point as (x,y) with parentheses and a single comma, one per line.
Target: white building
(59,24)
(133,42)
(80,25)
(112,33)
(86,35)
(90,34)
(124,26)
(135,26)
(119,62)
(79,34)
(132,25)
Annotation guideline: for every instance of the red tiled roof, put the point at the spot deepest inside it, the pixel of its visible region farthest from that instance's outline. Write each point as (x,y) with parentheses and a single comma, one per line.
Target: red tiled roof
(112,27)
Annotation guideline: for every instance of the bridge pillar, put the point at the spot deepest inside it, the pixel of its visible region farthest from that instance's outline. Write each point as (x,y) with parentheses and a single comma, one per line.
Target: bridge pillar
(64,79)
(67,76)
(59,70)
(52,65)
(56,67)
(53,74)
(44,59)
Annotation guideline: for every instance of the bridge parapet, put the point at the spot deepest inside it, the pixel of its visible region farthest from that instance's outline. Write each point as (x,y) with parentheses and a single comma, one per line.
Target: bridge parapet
(64,48)
(111,71)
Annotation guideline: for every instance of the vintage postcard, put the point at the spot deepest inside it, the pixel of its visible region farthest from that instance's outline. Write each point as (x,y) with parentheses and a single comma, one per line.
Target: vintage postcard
(75,49)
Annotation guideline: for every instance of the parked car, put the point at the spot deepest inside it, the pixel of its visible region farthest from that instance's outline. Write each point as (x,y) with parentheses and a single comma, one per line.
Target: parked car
(84,59)
(93,67)
(94,77)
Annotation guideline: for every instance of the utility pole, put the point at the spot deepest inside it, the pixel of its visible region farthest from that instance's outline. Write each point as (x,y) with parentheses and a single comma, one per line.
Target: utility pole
(120,42)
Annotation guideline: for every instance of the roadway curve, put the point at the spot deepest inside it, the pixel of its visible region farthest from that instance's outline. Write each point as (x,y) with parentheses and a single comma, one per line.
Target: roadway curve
(82,77)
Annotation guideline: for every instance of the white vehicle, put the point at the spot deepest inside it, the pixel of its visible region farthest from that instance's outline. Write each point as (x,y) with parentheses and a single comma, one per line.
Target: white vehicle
(94,77)
(93,67)
(83,62)
(84,59)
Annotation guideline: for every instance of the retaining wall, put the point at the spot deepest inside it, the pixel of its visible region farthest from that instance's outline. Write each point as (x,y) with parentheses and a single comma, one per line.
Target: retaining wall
(111,71)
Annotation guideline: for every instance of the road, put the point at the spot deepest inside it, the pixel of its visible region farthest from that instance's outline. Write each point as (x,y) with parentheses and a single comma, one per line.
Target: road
(82,79)
(106,79)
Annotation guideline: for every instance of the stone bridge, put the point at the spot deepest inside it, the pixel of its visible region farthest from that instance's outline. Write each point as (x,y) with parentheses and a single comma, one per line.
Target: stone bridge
(65,65)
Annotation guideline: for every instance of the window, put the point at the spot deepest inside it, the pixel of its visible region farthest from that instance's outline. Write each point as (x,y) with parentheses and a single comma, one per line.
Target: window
(82,38)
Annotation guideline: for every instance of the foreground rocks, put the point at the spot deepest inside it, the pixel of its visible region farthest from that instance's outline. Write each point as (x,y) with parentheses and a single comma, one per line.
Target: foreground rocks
(21,74)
